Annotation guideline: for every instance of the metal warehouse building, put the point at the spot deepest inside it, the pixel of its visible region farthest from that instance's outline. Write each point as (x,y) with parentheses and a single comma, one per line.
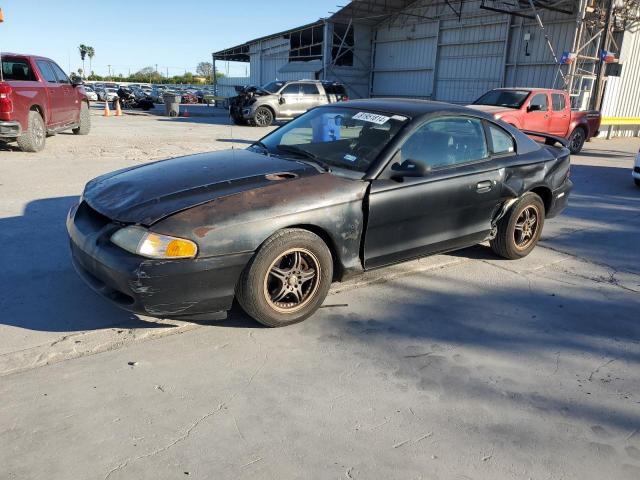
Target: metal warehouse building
(454,51)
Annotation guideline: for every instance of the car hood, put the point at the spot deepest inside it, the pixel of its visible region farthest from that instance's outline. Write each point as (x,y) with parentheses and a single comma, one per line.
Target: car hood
(146,194)
(491,109)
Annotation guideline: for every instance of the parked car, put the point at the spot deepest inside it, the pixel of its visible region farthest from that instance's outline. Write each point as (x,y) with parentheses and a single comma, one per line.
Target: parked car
(188,97)
(636,170)
(278,100)
(340,190)
(109,94)
(541,110)
(90,93)
(37,98)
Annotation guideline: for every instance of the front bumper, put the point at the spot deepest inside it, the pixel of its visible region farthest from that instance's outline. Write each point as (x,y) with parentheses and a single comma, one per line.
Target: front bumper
(11,129)
(560,198)
(240,110)
(194,288)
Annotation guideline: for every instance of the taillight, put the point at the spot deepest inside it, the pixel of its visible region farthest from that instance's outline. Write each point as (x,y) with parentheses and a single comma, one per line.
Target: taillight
(6,105)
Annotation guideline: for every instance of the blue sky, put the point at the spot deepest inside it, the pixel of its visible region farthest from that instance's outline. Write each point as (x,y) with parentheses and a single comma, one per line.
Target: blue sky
(134,34)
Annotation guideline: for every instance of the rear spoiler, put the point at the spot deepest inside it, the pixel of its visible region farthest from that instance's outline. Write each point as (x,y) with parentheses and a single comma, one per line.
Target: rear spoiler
(549,139)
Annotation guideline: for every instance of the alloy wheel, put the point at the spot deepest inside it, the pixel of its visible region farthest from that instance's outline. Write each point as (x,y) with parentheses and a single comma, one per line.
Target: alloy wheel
(526,227)
(577,139)
(292,280)
(39,133)
(263,117)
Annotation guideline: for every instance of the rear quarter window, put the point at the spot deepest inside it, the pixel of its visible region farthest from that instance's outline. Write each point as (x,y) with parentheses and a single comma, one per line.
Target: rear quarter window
(17,69)
(557,102)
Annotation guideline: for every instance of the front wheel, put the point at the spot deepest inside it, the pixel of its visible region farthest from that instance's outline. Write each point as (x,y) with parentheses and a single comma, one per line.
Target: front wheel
(520,229)
(288,278)
(84,125)
(576,140)
(263,117)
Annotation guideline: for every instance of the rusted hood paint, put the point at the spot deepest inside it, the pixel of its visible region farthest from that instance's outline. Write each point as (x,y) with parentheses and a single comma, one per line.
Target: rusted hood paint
(151,192)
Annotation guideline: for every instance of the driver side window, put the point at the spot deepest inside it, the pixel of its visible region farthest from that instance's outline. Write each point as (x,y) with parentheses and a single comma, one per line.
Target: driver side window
(291,89)
(540,100)
(446,142)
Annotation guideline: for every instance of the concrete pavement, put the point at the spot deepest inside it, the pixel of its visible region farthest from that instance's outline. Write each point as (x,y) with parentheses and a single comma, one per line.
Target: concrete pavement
(456,366)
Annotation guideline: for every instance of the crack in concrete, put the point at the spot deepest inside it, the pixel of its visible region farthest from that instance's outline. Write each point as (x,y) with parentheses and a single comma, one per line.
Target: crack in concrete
(598,369)
(188,431)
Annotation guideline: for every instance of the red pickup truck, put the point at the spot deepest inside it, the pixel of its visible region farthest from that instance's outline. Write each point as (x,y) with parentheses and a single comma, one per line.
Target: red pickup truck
(541,110)
(38,99)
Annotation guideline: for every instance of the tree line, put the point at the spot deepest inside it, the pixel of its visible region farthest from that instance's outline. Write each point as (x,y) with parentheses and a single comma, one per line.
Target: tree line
(204,72)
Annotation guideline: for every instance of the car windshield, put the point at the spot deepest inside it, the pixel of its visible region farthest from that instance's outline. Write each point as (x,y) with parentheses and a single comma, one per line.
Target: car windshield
(273,87)
(503,98)
(345,138)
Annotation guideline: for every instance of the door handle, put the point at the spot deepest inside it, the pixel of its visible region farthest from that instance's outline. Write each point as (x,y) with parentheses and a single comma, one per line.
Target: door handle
(484,187)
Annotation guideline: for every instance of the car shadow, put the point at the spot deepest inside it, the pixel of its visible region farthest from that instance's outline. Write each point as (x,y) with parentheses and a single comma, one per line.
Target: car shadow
(39,289)
(615,154)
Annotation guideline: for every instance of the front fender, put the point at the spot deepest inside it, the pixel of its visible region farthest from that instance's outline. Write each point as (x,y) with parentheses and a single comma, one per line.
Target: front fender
(242,222)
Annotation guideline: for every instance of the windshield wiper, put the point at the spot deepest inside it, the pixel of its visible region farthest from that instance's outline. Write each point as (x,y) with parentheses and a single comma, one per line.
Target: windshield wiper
(263,147)
(305,153)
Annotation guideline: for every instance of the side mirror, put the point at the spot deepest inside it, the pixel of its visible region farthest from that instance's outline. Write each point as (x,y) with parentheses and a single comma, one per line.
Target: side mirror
(409,168)
(76,81)
(534,108)
(282,100)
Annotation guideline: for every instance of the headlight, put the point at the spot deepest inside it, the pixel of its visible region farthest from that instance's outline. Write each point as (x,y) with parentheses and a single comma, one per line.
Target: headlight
(141,241)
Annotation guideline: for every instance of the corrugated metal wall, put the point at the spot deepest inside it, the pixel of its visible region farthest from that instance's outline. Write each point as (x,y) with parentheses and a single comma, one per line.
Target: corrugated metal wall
(267,57)
(470,57)
(624,100)
(458,60)
(356,77)
(226,85)
(405,59)
(621,97)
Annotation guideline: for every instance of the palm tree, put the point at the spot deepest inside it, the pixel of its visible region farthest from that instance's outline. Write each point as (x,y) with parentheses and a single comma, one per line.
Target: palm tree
(83,53)
(90,53)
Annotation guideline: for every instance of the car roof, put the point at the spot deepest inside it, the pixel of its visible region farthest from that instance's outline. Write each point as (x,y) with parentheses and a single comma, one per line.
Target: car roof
(531,89)
(410,107)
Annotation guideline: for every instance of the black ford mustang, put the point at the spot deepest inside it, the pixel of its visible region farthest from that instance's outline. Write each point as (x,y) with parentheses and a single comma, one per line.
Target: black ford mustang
(339,190)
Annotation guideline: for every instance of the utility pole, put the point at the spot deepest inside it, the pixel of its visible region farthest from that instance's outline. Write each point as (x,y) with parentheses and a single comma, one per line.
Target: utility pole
(109,72)
(605,39)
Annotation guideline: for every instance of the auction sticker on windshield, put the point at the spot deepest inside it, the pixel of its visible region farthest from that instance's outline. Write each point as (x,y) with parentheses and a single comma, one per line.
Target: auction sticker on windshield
(371,118)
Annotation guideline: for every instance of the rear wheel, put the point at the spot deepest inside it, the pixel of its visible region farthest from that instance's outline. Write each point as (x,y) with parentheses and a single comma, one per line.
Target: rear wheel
(33,139)
(288,278)
(263,117)
(577,139)
(520,229)
(84,125)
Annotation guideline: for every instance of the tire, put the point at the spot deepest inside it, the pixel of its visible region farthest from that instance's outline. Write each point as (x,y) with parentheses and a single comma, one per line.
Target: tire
(637,182)
(511,241)
(272,288)
(84,126)
(577,139)
(33,139)
(263,117)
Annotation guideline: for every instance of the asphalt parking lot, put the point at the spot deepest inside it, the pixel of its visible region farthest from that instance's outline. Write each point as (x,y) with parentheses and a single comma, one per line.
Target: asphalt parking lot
(458,366)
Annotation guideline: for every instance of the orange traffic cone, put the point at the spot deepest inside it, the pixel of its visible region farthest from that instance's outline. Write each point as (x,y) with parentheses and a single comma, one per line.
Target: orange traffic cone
(107,112)
(118,109)
(186,112)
